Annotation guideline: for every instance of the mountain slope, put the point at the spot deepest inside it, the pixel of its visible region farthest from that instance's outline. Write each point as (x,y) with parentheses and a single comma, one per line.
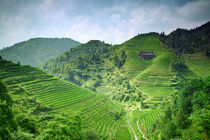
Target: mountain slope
(186,116)
(37,51)
(141,74)
(123,76)
(117,70)
(99,116)
(91,70)
(153,76)
(193,45)
(189,41)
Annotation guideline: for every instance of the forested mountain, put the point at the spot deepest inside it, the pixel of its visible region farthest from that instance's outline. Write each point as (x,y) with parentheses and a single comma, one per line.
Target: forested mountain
(189,41)
(37,51)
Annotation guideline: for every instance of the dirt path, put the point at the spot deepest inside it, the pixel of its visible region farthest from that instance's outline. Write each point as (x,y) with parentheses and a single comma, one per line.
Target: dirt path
(143,136)
(137,123)
(149,97)
(136,138)
(139,108)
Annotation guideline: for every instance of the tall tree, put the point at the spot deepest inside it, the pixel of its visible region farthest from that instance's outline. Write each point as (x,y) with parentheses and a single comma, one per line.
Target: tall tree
(7,123)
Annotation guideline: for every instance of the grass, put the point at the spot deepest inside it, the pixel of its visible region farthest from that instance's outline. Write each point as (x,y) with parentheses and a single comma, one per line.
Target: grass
(157,77)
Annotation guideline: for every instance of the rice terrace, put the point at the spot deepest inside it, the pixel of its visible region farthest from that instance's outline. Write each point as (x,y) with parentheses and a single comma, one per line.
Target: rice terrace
(104,70)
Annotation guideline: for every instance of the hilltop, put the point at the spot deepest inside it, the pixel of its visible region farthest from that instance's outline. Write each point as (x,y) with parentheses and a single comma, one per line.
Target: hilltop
(189,41)
(37,51)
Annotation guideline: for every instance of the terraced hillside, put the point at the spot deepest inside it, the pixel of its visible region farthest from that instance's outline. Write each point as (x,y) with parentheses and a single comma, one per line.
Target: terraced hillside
(124,76)
(153,77)
(146,42)
(117,70)
(148,82)
(142,121)
(95,110)
(96,66)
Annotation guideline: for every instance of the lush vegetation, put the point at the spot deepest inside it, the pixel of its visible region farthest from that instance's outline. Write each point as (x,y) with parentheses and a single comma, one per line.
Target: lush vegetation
(22,118)
(198,64)
(152,77)
(187,115)
(45,107)
(117,70)
(189,41)
(37,51)
(114,93)
(94,65)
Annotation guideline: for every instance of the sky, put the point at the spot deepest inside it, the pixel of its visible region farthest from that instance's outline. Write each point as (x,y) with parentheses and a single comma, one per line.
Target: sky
(112,21)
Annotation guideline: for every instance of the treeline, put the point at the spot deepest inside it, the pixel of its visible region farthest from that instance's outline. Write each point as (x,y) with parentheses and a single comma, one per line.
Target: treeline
(189,41)
(187,116)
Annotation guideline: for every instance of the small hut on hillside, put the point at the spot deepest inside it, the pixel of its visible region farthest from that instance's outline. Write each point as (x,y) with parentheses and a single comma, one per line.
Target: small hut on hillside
(147,55)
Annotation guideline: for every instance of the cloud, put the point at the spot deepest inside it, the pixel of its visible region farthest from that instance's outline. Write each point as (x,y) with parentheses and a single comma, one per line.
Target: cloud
(84,31)
(195,10)
(113,21)
(115,17)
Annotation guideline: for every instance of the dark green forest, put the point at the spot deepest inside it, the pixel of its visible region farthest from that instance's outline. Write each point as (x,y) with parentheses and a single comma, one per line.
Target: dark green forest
(189,41)
(186,116)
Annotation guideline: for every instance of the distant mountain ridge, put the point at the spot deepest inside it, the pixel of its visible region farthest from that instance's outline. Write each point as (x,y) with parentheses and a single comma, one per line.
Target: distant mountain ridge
(37,51)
